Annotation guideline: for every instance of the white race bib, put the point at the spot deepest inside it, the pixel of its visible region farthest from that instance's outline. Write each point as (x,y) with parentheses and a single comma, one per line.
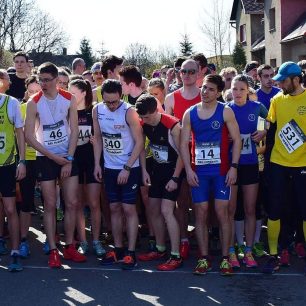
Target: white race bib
(291,136)
(246,144)
(84,134)
(113,144)
(2,142)
(207,153)
(160,153)
(55,134)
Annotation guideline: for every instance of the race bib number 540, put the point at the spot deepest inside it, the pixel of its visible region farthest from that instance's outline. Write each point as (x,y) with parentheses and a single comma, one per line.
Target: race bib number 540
(113,144)
(291,136)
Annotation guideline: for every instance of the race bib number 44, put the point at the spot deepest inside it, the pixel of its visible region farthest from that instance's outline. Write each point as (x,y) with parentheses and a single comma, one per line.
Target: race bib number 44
(207,154)
(291,136)
(2,142)
(55,134)
(84,134)
(113,144)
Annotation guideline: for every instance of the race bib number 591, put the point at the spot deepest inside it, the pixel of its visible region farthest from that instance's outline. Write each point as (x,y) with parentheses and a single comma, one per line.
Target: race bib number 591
(291,136)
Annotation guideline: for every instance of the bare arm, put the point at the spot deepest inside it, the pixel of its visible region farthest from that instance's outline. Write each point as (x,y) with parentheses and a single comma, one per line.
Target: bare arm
(97,144)
(176,133)
(74,128)
(169,104)
(21,169)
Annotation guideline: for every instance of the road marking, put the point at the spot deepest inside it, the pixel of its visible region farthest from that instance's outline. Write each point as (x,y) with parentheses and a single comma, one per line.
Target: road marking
(104,269)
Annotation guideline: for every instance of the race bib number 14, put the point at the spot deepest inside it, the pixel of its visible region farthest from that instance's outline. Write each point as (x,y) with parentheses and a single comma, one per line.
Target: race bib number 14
(207,154)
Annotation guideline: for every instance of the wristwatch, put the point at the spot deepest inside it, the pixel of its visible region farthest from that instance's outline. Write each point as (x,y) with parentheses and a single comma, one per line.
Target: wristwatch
(70,158)
(127,168)
(234,165)
(22,161)
(175,179)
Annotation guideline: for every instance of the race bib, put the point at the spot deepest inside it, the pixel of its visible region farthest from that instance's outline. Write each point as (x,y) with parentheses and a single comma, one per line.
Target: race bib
(2,142)
(207,153)
(246,144)
(113,144)
(291,136)
(84,134)
(55,134)
(160,153)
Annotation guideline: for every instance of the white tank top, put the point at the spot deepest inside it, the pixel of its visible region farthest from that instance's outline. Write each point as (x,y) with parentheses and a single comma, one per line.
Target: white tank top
(118,142)
(52,128)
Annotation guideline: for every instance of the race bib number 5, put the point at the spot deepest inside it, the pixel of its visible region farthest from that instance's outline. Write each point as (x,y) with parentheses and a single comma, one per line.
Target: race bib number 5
(207,154)
(55,134)
(2,142)
(291,136)
(113,144)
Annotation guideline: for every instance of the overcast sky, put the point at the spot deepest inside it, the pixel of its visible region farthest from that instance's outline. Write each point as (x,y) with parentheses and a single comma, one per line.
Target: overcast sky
(156,23)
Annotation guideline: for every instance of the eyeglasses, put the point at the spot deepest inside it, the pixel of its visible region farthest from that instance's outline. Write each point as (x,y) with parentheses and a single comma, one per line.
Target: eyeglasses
(43,81)
(188,71)
(111,102)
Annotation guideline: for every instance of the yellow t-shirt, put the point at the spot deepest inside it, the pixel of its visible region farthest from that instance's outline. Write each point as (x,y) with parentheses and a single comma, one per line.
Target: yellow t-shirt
(289,112)
(30,153)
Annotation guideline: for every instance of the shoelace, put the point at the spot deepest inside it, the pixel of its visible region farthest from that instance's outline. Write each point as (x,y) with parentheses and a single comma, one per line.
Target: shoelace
(225,264)
(203,263)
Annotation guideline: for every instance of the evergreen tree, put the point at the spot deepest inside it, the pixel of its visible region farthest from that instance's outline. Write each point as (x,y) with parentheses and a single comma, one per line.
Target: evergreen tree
(239,57)
(186,46)
(86,52)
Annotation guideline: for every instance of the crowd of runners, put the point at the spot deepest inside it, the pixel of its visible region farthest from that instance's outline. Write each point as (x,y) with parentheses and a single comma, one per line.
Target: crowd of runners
(225,153)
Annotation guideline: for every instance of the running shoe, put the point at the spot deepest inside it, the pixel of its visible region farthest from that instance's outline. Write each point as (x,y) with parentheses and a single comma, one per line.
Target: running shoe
(203,266)
(83,248)
(111,258)
(300,250)
(258,249)
(129,262)
(54,259)
(284,259)
(241,251)
(71,253)
(98,249)
(184,249)
(226,268)
(24,249)
(46,248)
(171,264)
(234,260)
(3,248)
(249,260)
(15,265)
(271,265)
(154,255)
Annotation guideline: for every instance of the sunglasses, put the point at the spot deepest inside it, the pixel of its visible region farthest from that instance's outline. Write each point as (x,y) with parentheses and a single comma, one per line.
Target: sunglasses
(188,71)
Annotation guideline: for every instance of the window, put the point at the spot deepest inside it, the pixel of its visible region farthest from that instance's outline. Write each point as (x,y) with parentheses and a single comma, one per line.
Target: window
(273,62)
(272,19)
(243,34)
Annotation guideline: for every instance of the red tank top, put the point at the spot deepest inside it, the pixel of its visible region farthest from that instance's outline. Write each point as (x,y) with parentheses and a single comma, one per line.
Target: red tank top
(181,104)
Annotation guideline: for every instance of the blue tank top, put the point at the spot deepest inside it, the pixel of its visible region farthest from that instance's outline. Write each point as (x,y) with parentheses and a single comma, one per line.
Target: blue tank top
(247,118)
(210,142)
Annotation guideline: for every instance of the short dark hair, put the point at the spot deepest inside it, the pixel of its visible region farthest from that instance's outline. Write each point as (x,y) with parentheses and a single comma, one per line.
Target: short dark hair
(179,61)
(21,53)
(146,104)
(48,68)
(65,68)
(131,74)
(77,61)
(250,66)
(215,79)
(242,78)
(30,80)
(63,72)
(111,86)
(157,82)
(201,59)
(110,63)
(262,67)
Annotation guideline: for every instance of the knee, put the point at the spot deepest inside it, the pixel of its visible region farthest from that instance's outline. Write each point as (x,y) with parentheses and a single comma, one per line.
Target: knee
(166,212)
(10,211)
(72,204)
(130,211)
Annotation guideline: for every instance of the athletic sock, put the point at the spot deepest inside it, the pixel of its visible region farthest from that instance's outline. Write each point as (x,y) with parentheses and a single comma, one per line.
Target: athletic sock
(161,248)
(248,249)
(257,231)
(175,255)
(239,229)
(273,234)
(231,249)
(184,240)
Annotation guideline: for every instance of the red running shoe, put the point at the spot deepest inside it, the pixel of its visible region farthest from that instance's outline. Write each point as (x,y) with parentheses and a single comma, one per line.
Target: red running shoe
(171,264)
(54,259)
(151,256)
(284,259)
(71,253)
(184,249)
(300,250)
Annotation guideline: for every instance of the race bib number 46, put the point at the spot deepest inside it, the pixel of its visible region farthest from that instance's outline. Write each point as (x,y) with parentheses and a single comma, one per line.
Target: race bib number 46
(160,153)
(207,154)
(2,142)
(55,134)
(113,144)
(291,136)
(84,134)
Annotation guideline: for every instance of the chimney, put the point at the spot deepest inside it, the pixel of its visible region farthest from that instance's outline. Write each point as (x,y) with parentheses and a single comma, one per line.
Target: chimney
(64,51)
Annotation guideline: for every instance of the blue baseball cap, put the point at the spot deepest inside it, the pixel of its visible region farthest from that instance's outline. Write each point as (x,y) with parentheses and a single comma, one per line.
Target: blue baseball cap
(286,70)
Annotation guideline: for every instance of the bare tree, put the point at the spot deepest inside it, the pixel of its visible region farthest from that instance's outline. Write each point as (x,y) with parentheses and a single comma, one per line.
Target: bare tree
(215,27)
